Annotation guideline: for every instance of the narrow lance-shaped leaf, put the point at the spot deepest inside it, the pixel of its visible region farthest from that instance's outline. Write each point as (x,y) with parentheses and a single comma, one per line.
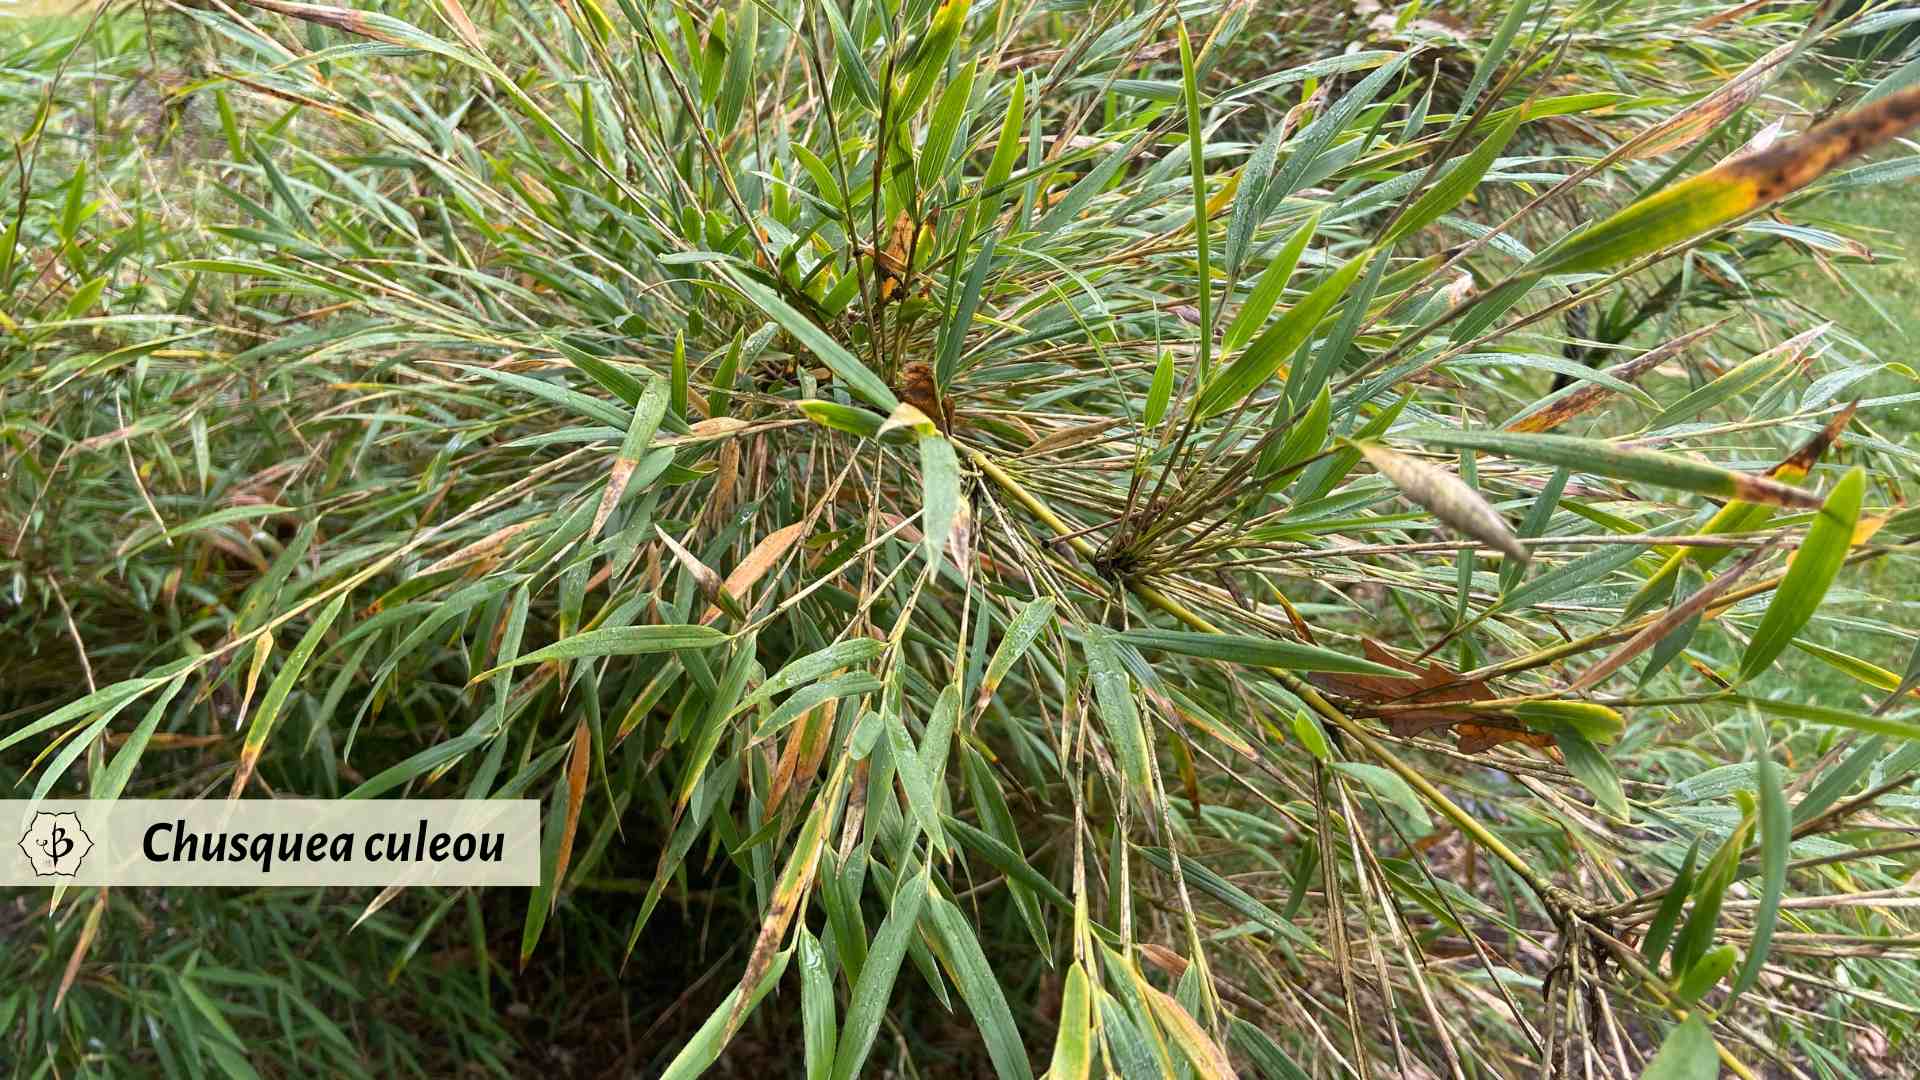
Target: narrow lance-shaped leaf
(1738,515)
(1730,189)
(940,494)
(967,963)
(843,364)
(1457,181)
(1073,1043)
(1269,285)
(1776,838)
(618,641)
(1605,459)
(1257,364)
(1907,681)
(579,757)
(1451,500)
(1021,632)
(1113,693)
(1812,571)
(874,989)
(1240,649)
(1660,930)
(647,414)
(704,1048)
(1744,376)
(277,692)
(816,1007)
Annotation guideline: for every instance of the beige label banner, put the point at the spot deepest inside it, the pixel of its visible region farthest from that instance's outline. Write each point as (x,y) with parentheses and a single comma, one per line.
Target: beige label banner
(301,842)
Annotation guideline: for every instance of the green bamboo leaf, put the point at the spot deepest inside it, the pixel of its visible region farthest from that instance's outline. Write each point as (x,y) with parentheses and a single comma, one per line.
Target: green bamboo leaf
(1696,936)
(1204,878)
(852,64)
(1270,284)
(1389,786)
(1257,364)
(1266,1054)
(1021,633)
(1197,165)
(1908,681)
(1134,1055)
(1605,459)
(740,65)
(282,685)
(940,493)
(1826,714)
(1262,652)
(1591,767)
(1160,393)
(847,418)
(1458,179)
(107,697)
(114,780)
(704,1048)
(1495,52)
(967,963)
(1687,1053)
(1705,974)
(1120,713)
(936,149)
(618,641)
(874,989)
(1810,574)
(1776,839)
(1840,779)
(920,791)
(1249,202)
(1592,721)
(816,1007)
(1864,671)
(1660,929)
(926,60)
(147,538)
(1006,150)
(842,363)
(1073,1044)
(1741,378)
(808,698)
(805,669)
(1008,861)
(953,332)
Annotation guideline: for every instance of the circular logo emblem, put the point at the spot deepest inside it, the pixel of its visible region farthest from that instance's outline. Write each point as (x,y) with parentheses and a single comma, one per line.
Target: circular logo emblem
(55,843)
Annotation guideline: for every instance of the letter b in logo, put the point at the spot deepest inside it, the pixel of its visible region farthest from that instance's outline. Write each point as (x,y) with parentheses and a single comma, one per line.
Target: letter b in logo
(55,843)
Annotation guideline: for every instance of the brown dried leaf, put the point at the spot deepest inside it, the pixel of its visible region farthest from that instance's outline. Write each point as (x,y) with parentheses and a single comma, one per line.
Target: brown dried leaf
(577,760)
(1787,167)
(1433,684)
(1479,738)
(917,388)
(1590,394)
(1690,123)
(88,932)
(1661,627)
(1798,464)
(761,559)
